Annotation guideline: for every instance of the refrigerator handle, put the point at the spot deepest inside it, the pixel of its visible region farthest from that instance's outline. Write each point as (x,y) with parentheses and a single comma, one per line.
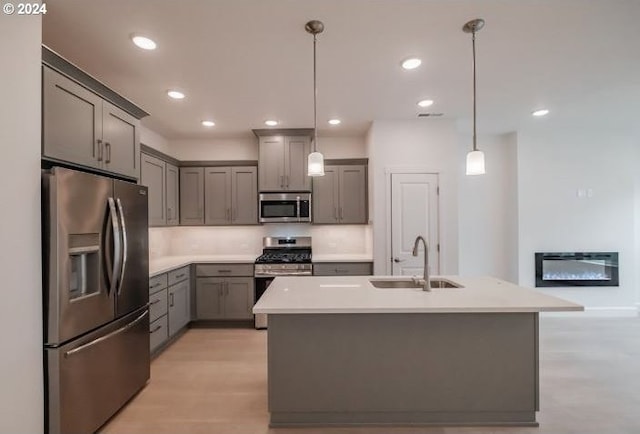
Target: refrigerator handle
(117,243)
(107,336)
(124,244)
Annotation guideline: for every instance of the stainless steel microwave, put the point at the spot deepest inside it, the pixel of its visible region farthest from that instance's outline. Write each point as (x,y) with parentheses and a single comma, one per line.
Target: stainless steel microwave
(285,207)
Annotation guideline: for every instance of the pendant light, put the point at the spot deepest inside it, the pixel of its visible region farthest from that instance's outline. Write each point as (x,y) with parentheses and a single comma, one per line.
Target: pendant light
(475,158)
(315,162)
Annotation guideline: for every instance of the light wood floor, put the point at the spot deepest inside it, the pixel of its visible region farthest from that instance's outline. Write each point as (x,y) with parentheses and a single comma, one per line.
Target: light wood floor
(215,381)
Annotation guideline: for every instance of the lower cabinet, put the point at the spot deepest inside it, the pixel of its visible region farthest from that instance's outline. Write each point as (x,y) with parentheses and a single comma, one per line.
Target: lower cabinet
(224,291)
(342,269)
(169,305)
(224,298)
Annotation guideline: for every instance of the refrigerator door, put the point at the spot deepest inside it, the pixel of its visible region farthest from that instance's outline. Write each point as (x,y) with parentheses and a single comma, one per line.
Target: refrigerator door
(77,253)
(90,378)
(132,285)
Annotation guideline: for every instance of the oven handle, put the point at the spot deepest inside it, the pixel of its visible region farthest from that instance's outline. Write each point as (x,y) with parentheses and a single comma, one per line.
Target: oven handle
(298,207)
(287,273)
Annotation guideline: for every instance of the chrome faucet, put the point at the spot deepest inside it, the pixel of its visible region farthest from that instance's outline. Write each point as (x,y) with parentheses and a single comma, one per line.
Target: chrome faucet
(425,281)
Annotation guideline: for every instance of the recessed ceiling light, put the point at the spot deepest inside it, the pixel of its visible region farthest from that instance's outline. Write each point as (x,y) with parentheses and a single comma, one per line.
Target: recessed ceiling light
(541,112)
(425,102)
(208,123)
(175,94)
(334,121)
(143,42)
(270,123)
(411,63)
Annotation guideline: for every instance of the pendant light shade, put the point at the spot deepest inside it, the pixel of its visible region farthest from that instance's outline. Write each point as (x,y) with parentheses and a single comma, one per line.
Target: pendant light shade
(315,162)
(475,158)
(475,163)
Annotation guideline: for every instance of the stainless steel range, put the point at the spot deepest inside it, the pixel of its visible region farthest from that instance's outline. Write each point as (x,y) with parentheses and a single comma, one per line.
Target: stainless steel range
(281,256)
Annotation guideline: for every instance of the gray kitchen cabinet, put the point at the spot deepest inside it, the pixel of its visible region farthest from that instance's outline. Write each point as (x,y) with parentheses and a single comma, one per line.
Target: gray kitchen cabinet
(224,298)
(341,195)
(231,195)
(158,309)
(224,291)
(172,178)
(191,195)
(82,128)
(152,174)
(283,163)
(179,307)
(343,269)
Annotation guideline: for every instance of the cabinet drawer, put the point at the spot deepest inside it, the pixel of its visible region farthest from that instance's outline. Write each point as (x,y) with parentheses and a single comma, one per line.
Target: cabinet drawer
(178,275)
(159,333)
(343,269)
(157,304)
(156,283)
(211,270)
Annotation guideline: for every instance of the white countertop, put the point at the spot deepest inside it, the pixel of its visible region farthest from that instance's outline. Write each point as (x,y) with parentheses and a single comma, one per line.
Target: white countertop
(339,257)
(355,294)
(168,263)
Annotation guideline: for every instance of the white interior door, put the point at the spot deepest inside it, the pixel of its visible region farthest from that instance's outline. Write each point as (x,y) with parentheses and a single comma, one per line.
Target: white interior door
(414,211)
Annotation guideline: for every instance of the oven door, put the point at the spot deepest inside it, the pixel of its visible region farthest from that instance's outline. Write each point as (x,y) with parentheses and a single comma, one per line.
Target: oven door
(285,207)
(261,285)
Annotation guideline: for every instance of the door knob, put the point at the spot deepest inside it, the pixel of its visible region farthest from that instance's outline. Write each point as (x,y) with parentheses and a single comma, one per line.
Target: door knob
(398,260)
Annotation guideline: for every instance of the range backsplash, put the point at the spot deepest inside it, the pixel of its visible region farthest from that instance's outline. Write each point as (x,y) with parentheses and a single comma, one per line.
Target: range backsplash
(235,240)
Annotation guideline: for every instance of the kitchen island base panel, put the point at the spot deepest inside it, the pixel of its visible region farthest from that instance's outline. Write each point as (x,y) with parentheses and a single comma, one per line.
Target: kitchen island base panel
(380,369)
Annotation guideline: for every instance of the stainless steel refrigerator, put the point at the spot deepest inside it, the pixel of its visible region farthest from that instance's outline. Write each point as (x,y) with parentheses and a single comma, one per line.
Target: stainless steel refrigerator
(96,295)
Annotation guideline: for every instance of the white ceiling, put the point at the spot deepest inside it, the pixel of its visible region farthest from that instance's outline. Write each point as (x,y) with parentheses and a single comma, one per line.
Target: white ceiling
(243,61)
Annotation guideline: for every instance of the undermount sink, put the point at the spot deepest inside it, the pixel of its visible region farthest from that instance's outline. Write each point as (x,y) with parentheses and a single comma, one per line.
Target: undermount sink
(410,283)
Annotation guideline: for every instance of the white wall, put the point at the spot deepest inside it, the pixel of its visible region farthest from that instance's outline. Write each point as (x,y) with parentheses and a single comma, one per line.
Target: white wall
(154,140)
(21,378)
(552,166)
(488,210)
(230,240)
(247,148)
(431,145)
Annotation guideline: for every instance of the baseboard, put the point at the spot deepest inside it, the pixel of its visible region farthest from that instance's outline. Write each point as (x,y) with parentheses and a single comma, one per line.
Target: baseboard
(609,311)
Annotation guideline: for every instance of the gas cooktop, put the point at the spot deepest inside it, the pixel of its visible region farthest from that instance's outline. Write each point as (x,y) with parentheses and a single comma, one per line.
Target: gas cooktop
(284,257)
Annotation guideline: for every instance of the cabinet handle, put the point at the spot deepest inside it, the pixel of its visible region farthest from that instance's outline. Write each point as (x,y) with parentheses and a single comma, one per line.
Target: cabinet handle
(169,213)
(155,329)
(234,214)
(341,215)
(171,296)
(179,276)
(224,271)
(156,301)
(155,284)
(99,141)
(108,146)
(335,213)
(286,182)
(340,270)
(281,181)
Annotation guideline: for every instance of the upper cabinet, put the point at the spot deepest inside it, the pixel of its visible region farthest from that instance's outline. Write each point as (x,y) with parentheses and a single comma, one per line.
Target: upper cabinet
(82,125)
(340,197)
(283,162)
(161,177)
(219,195)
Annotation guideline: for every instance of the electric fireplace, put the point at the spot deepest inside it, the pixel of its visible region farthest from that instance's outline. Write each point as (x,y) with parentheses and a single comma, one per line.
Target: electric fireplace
(577,269)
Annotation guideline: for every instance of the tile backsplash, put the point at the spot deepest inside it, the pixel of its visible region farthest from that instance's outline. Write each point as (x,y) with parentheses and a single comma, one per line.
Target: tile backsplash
(234,240)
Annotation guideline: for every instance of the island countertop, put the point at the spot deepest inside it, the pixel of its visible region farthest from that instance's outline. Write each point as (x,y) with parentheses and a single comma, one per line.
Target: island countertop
(355,294)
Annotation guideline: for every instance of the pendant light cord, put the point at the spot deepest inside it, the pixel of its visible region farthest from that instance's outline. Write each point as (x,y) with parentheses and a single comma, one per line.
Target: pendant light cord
(473,43)
(315,96)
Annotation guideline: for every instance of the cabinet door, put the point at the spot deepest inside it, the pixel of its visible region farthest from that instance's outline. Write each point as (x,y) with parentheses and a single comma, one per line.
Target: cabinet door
(353,194)
(121,140)
(271,163)
(238,298)
(71,120)
(244,195)
(179,307)
(152,174)
(209,301)
(172,195)
(217,200)
(325,197)
(191,195)
(296,157)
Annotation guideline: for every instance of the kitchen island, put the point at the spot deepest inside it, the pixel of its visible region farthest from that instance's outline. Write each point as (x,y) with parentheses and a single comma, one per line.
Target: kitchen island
(343,352)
